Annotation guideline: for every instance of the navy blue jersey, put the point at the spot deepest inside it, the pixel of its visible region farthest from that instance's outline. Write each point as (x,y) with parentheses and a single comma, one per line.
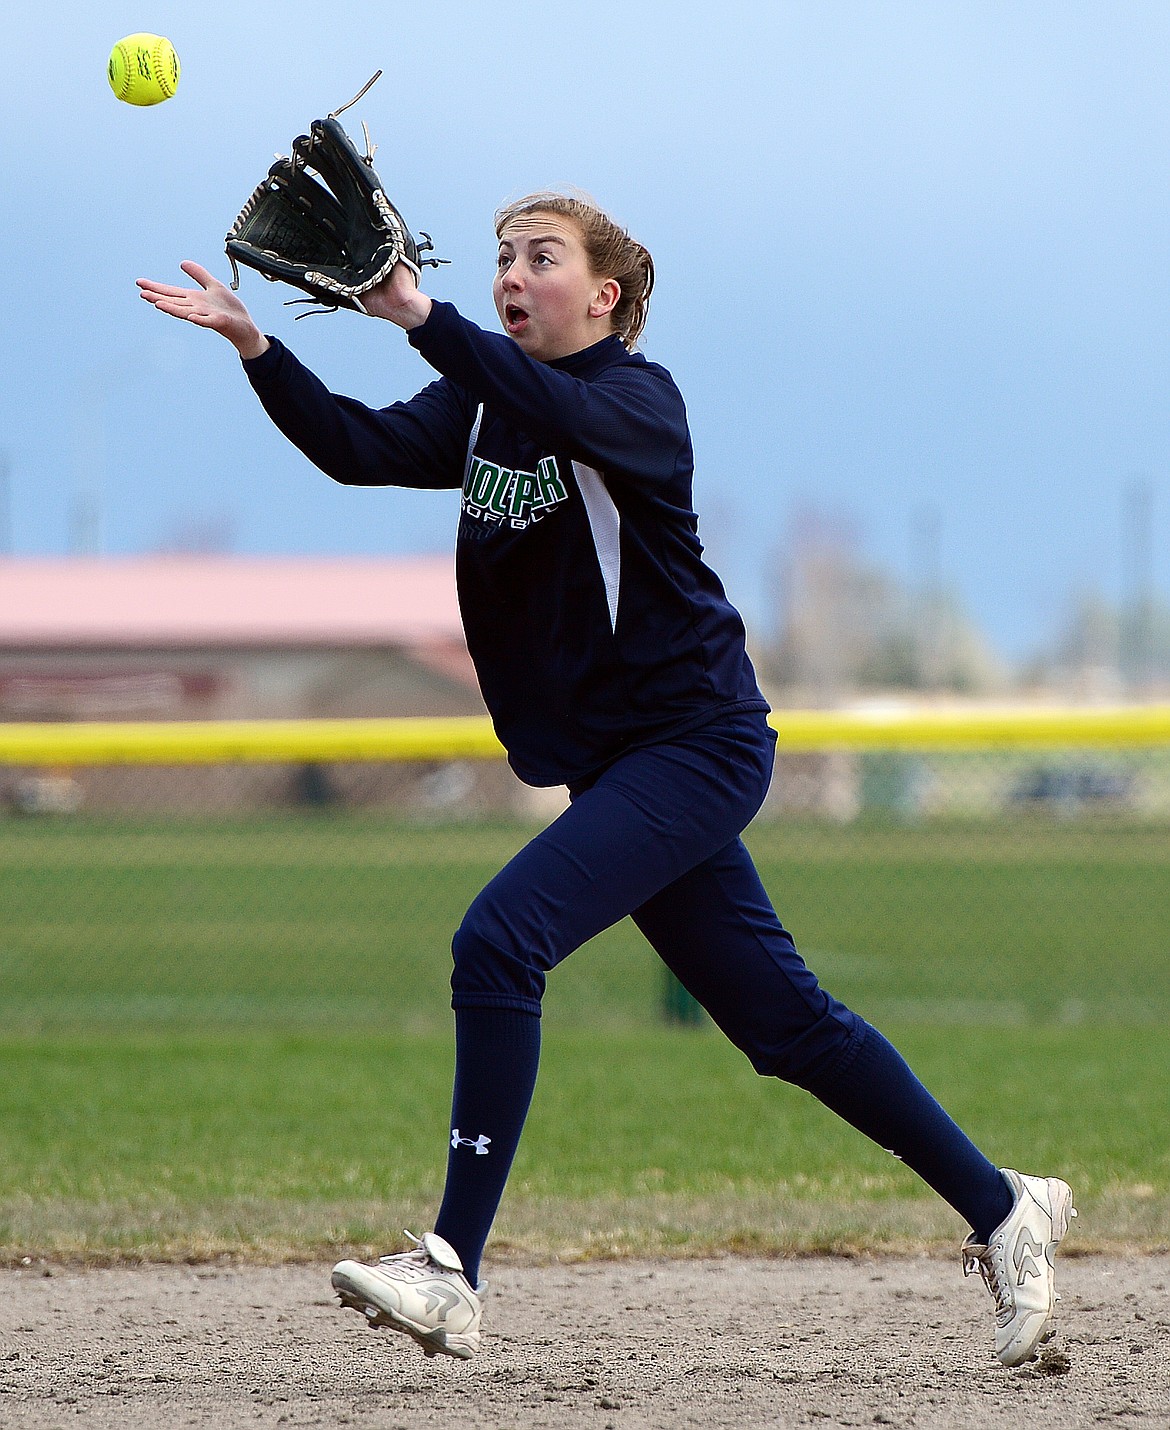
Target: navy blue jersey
(594,624)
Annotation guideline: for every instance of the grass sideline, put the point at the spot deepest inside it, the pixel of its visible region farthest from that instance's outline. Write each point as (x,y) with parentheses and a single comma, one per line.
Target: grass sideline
(231,1040)
(270,1148)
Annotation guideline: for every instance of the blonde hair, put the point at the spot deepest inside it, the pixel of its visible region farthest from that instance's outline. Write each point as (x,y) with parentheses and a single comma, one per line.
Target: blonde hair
(612,253)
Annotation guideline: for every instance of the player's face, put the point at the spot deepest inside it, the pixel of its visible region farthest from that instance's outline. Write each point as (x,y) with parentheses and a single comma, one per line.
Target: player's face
(548,298)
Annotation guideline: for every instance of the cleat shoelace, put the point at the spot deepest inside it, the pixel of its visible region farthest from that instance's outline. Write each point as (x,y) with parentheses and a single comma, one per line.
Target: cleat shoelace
(416,1256)
(415,1264)
(983,1263)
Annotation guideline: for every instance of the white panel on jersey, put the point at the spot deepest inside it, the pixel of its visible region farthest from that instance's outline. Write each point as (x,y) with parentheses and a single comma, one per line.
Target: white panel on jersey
(471,441)
(605,522)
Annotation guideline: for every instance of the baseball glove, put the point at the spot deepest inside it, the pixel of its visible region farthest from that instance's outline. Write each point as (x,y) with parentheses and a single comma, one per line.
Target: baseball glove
(322,222)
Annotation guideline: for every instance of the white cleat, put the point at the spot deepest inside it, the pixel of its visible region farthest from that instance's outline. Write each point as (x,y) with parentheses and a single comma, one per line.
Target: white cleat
(1017,1263)
(421,1292)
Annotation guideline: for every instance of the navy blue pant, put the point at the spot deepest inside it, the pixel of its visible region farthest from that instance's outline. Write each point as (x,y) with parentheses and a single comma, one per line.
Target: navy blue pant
(656,836)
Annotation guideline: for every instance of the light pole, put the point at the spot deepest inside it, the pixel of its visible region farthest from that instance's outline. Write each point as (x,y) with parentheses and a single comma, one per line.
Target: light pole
(1138,560)
(6,548)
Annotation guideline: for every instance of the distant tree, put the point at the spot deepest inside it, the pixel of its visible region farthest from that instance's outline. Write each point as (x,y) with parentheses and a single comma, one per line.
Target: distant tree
(209,534)
(1101,650)
(845,625)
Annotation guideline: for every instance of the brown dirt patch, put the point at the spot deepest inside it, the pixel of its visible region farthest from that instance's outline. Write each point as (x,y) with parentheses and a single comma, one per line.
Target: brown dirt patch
(714,1343)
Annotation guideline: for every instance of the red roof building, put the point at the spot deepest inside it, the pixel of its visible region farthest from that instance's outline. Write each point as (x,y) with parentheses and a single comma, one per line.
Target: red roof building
(207,637)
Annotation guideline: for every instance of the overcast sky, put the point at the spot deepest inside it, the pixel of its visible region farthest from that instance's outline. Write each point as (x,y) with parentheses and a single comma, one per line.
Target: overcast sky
(912,258)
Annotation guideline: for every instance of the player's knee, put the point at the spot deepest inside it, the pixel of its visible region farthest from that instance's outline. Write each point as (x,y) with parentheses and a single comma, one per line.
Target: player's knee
(821,1048)
(485,973)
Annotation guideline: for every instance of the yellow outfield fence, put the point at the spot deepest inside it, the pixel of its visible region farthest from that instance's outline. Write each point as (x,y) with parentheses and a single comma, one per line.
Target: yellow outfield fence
(300,871)
(248,741)
(472,738)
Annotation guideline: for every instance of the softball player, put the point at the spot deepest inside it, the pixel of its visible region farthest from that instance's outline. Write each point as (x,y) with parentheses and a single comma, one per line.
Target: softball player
(612,663)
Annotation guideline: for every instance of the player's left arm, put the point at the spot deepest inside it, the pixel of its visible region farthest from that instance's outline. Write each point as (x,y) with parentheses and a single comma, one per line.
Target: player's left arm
(399,300)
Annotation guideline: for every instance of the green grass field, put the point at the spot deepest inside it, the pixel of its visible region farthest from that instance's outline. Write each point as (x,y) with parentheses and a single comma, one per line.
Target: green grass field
(233,1039)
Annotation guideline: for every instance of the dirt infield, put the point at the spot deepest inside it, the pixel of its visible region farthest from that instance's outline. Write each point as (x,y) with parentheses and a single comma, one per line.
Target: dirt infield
(899,1342)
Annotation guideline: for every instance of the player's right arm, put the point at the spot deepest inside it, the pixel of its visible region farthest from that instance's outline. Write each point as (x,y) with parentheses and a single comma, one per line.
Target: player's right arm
(420,443)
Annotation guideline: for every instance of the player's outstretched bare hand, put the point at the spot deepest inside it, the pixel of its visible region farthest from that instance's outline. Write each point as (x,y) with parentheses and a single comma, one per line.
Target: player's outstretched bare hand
(212,305)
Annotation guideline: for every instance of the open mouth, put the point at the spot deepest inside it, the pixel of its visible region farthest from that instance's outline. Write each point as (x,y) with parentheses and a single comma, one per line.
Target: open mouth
(515,318)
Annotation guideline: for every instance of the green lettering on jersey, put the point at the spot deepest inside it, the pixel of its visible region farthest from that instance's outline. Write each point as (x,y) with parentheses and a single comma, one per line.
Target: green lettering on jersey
(480,480)
(524,495)
(498,497)
(550,488)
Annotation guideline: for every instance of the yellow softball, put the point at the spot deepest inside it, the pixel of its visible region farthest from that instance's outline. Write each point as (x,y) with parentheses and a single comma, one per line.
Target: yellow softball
(143,69)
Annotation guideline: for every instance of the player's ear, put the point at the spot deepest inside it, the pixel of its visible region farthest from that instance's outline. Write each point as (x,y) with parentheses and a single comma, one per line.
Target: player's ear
(606,298)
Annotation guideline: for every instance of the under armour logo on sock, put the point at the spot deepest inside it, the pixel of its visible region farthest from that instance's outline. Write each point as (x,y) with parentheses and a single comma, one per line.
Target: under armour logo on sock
(480,1143)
